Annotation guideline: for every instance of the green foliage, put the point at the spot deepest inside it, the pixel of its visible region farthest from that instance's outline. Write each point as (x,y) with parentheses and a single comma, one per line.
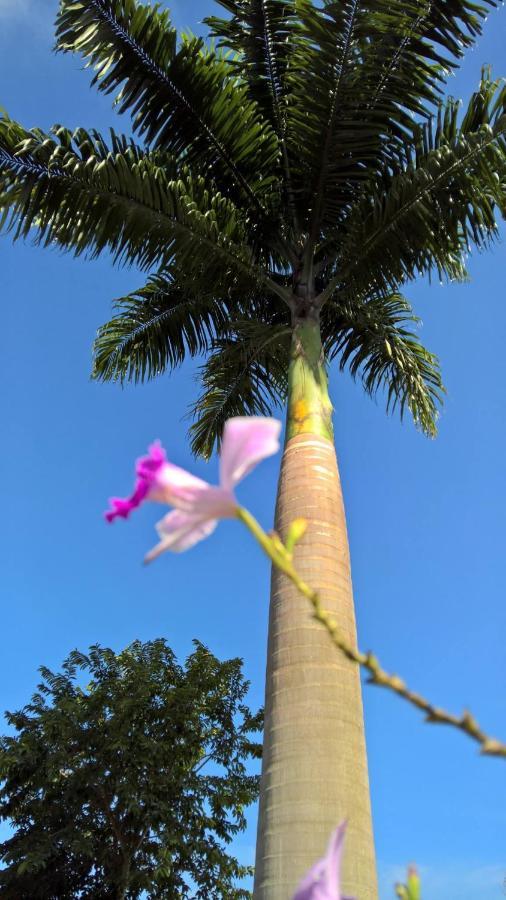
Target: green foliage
(181,97)
(373,341)
(426,215)
(127,773)
(306,161)
(75,190)
(155,328)
(246,373)
(353,76)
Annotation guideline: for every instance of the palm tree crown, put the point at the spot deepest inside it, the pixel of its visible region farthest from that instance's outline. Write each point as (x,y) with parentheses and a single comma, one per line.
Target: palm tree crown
(304,165)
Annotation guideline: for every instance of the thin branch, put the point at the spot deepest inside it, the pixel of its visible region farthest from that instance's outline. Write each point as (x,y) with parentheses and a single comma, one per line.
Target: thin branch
(203,763)
(281,556)
(111,818)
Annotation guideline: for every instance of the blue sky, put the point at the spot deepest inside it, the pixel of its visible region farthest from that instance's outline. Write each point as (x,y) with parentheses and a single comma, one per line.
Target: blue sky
(426,518)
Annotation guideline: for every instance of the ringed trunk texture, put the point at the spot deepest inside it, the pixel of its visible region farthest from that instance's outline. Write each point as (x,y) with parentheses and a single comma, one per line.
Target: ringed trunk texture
(314,771)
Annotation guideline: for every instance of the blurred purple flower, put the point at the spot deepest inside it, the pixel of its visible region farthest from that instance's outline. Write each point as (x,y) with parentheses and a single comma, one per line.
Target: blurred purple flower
(322,882)
(198,505)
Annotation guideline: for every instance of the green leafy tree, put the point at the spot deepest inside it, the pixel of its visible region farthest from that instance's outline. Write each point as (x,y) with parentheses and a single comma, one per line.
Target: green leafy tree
(288,183)
(126,776)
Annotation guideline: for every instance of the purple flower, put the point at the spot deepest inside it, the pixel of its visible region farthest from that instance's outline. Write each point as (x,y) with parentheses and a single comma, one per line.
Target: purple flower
(198,505)
(322,882)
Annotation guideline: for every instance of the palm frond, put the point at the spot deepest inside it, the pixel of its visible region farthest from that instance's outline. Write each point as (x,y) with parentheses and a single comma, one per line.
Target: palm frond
(155,328)
(414,54)
(347,21)
(182,96)
(306,156)
(426,217)
(73,190)
(260,34)
(374,341)
(328,140)
(373,69)
(246,374)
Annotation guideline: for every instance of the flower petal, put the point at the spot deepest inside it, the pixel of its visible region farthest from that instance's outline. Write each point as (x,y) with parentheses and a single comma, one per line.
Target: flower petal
(179,531)
(311,885)
(148,469)
(246,441)
(192,495)
(333,857)
(322,882)
(162,482)
(120,508)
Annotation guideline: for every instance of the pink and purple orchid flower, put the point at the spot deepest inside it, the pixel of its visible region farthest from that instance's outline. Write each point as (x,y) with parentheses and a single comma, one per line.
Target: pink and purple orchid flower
(323,880)
(198,506)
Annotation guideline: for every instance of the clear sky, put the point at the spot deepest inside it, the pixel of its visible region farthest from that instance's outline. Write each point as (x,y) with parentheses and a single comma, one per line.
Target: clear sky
(426,518)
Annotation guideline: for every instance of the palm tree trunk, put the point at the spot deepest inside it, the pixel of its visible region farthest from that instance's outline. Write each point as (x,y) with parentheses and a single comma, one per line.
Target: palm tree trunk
(314,771)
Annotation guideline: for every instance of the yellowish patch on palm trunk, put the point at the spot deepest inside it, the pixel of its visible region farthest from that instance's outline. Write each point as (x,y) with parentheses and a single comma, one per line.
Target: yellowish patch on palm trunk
(309,406)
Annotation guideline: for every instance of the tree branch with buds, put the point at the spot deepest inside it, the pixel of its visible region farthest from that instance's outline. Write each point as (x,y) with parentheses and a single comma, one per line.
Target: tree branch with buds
(281,555)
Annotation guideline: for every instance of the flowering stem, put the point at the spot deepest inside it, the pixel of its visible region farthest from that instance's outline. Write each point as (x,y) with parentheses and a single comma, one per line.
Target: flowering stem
(282,557)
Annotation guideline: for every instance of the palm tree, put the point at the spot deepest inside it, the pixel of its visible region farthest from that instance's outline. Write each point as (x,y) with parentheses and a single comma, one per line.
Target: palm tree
(292,178)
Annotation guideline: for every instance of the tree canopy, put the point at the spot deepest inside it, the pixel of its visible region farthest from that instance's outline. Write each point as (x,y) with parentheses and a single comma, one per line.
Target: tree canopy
(128,773)
(306,163)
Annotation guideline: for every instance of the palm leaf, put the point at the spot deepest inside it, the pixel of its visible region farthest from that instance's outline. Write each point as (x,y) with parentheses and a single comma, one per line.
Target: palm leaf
(426,217)
(155,328)
(373,340)
(373,69)
(260,33)
(308,158)
(182,97)
(74,190)
(246,374)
